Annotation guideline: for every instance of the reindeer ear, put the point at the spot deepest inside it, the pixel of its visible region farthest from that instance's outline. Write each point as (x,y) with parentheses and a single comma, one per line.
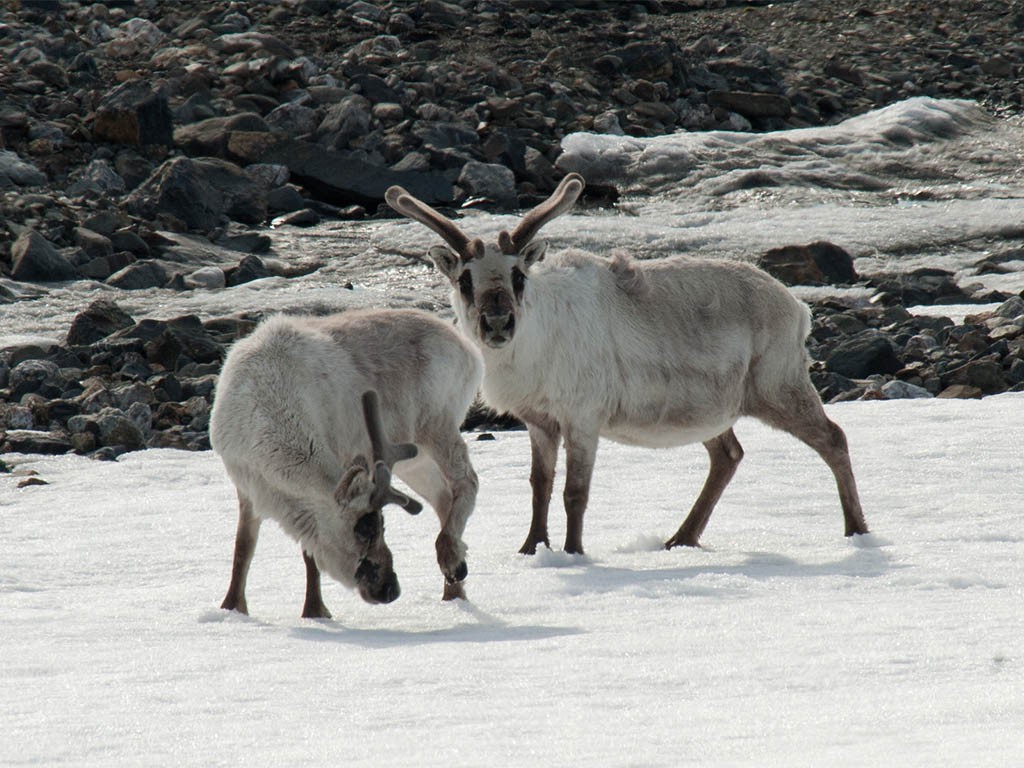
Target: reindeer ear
(533,252)
(446,260)
(354,483)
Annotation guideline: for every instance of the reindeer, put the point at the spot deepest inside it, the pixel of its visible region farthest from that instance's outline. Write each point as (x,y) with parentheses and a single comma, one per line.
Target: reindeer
(294,429)
(656,353)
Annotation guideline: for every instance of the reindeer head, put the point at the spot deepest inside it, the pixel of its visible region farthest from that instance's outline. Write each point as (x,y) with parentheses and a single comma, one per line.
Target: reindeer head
(362,493)
(489,279)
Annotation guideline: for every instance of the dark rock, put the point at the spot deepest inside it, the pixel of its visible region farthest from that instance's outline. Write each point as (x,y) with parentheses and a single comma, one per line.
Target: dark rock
(751,104)
(30,376)
(211,137)
(99,319)
(34,258)
(126,240)
(863,355)
(285,199)
(246,242)
(139,276)
(305,217)
(33,441)
(960,392)
(200,193)
(924,286)
(986,375)
(813,264)
(93,244)
(134,113)
(792,265)
(250,268)
(17,172)
(491,181)
(344,180)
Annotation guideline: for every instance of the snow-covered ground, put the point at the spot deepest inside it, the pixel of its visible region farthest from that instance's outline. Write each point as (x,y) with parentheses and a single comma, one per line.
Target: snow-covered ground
(781,643)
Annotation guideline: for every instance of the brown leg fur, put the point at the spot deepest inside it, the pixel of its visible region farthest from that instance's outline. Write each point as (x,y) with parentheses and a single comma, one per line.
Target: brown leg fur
(580,452)
(804,417)
(544,440)
(245,544)
(725,453)
(314,607)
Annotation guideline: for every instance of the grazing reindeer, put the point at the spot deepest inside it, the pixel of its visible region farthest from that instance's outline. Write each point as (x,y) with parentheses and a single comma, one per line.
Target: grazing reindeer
(288,424)
(655,353)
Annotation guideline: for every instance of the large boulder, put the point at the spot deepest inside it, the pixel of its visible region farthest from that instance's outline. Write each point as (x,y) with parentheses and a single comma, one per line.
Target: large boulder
(863,355)
(34,258)
(101,318)
(812,264)
(343,180)
(199,193)
(134,113)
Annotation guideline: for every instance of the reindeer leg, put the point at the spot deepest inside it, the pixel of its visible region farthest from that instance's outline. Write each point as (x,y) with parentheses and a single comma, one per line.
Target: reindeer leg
(725,453)
(443,475)
(803,416)
(545,437)
(314,607)
(580,453)
(245,544)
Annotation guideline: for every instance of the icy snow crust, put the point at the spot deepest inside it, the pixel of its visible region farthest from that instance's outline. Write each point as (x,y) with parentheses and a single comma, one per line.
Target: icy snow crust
(781,643)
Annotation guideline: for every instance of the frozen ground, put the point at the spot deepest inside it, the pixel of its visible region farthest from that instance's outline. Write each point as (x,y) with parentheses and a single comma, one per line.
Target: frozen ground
(779,644)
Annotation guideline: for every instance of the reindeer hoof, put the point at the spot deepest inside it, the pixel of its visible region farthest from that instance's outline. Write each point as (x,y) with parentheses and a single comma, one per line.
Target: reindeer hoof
(316,612)
(454,590)
(530,546)
(681,541)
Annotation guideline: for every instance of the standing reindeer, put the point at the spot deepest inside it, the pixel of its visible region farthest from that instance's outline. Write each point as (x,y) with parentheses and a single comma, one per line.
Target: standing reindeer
(656,353)
(293,426)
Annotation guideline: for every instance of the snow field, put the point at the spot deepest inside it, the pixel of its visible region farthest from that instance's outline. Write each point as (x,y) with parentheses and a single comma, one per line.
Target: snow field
(779,643)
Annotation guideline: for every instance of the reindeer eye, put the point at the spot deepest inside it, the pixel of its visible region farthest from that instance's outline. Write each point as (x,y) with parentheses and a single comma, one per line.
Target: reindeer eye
(518,281)
(466,286)
(368,526)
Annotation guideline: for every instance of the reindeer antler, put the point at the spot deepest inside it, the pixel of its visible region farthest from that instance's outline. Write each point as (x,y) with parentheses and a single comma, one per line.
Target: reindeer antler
(561,200)
(385,456)
(407,205)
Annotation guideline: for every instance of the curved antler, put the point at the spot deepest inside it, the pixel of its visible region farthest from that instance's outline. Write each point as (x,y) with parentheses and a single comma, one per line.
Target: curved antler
(561,200)
(407,205)
(385,456)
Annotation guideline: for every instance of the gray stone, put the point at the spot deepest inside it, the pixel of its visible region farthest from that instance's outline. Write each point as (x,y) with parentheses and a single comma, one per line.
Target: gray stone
(92,243)
(139,276)
(344,121)
(865,354)
(490,181)
(99,319)
(15,171)
(902,390)
(34,258)
(34,376)
(211,137)
(343,180)
(207,278)
(98,177)
(34,441)
(117,429)
(199,193)
(751,104)
(134,113)
(304,217)
(813,264)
